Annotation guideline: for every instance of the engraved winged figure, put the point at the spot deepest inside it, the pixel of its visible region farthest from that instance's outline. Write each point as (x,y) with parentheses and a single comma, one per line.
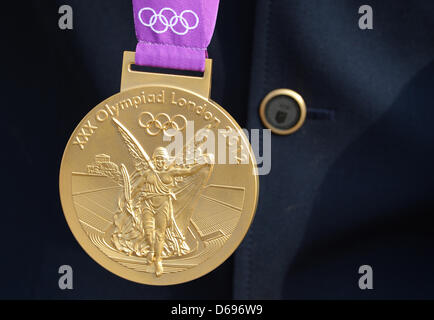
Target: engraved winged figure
(157,202)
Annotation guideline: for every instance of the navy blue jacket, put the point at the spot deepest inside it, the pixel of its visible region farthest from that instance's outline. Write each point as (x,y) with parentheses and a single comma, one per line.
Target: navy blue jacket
(354,186)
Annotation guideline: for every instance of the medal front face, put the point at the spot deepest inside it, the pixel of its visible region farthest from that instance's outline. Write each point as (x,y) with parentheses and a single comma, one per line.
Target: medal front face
(148,213)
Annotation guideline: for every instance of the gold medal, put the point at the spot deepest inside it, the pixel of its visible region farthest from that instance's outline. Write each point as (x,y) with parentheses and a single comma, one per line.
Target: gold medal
(147,213)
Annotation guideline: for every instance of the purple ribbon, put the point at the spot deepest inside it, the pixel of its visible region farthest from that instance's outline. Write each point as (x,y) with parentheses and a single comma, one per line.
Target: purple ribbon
(174,34)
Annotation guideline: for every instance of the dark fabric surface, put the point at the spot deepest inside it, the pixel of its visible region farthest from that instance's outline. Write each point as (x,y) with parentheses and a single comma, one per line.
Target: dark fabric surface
(357,188)
(354,186)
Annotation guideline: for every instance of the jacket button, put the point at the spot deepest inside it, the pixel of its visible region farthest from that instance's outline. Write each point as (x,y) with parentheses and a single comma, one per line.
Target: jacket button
(283,111)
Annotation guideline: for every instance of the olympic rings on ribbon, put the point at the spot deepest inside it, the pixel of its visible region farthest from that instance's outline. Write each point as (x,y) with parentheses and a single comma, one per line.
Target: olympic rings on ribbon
(161,122)
(169,22)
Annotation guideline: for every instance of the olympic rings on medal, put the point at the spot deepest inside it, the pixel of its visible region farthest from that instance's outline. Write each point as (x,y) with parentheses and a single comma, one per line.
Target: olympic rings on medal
(170,21)
(161,122)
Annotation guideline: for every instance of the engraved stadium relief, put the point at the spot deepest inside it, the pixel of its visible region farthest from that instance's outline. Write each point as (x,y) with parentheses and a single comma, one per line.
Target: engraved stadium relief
(161,217)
